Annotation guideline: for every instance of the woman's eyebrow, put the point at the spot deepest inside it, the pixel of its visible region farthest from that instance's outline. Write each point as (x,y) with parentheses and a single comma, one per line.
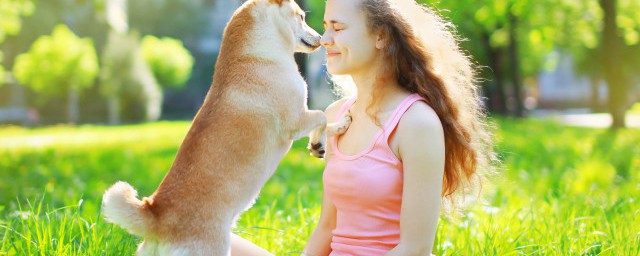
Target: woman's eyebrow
(331,21)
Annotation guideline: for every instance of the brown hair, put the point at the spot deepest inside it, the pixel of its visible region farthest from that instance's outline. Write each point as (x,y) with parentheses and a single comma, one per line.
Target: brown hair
(423,56)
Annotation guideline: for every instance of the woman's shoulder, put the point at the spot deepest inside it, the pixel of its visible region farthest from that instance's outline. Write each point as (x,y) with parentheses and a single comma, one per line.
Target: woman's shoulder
(332,110)
(420,133)
(419,117)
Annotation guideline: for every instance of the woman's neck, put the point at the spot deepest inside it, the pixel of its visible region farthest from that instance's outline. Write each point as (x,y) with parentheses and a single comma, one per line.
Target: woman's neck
(366,84)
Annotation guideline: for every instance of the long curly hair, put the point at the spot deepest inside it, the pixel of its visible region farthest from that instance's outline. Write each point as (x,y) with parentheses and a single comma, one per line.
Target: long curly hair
(422,54)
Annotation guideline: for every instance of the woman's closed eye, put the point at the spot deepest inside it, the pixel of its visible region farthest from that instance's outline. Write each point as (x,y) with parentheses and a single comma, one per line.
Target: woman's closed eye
(337,27)
(335,30)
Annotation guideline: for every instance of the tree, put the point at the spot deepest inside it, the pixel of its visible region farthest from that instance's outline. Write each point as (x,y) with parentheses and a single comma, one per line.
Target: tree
(604,38)
(126,74)
(169,61)
(59,63)
(614,43)
(10,24)
(510,37)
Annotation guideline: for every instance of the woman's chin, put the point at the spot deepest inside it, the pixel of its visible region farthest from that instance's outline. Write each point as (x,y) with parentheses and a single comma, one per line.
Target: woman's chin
(333,70)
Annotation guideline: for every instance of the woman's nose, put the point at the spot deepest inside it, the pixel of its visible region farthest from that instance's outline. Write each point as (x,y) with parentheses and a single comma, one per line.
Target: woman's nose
(326,39)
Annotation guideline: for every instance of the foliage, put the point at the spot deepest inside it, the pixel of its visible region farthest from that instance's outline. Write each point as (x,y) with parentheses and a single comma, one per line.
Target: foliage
(10,24)
(635,109)
(2,73)
(169,61)
(58,63)
(629,21)
(117,63)
(573,26)
(566,191)
(177,18)
(126,78)
(315,14)
(11,10)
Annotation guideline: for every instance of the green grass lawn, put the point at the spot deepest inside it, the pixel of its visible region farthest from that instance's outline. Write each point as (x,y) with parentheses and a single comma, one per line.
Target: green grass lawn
(560,191)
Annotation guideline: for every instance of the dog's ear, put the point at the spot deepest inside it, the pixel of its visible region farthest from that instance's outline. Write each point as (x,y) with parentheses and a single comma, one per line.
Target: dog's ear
(278,2)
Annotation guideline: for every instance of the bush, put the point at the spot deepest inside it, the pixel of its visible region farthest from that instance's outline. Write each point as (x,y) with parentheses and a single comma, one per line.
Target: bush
(57,63)
(169,61)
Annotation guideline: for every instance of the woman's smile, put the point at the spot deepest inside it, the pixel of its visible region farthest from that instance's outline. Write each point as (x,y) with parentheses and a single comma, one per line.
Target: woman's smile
(332,53)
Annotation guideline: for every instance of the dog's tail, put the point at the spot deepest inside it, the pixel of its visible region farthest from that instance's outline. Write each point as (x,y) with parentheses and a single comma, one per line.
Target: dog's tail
(121,206)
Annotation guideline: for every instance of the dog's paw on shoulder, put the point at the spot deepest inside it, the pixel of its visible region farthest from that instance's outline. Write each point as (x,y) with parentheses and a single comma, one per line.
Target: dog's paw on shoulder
(344,123)
(316,149)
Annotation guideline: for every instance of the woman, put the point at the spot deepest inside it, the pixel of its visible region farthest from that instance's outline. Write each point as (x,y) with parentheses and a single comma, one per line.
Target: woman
(417,134)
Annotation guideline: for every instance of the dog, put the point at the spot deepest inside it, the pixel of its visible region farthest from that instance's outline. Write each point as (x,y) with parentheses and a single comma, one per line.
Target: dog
(254,110)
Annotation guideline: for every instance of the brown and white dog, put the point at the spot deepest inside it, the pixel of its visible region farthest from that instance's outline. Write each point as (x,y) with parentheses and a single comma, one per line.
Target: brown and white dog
(254,110)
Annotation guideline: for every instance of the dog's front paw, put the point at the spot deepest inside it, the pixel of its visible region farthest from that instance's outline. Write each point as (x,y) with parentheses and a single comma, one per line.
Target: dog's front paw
(344,124)
(316,149)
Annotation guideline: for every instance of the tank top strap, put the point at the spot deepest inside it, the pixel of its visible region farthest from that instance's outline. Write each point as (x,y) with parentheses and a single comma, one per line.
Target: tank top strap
(397,114)
(345,107)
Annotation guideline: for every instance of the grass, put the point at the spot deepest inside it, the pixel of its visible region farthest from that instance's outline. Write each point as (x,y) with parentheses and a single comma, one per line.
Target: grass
(635,109)
(561,191)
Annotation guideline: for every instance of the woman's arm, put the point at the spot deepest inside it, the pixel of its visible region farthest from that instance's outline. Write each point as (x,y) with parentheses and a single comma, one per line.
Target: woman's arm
(319,243)
(242,247)
(422,150)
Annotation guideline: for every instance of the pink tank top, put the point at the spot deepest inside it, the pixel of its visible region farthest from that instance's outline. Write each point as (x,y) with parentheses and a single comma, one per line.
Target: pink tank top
(366,190)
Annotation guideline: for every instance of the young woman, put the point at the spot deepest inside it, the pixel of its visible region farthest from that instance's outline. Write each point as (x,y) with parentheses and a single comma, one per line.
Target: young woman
(417,135)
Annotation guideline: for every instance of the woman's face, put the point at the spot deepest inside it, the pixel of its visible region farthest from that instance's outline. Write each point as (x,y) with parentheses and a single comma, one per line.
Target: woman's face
(351,48)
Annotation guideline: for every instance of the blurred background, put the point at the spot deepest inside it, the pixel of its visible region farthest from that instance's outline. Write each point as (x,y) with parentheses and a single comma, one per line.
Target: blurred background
(118,61)
(96,91)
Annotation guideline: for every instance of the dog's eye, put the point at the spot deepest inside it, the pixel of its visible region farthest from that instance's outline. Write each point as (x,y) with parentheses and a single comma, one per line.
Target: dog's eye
(301,17)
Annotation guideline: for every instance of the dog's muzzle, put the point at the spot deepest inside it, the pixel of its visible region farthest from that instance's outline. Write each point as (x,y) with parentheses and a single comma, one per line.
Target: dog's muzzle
(312,46)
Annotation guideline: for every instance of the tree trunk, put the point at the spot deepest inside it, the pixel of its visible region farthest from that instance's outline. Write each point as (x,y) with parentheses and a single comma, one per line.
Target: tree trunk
(496,64)
(613,74)
(17,95)
(153,107)
(114,109)
(594,80)
(72,107)
(514,63)
(17,91)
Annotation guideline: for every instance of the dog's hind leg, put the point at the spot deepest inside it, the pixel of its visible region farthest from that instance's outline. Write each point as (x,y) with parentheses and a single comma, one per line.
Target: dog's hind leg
(148,248)
(190,248)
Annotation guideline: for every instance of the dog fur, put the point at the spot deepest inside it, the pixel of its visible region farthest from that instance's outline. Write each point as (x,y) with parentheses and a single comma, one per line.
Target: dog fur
(254,110)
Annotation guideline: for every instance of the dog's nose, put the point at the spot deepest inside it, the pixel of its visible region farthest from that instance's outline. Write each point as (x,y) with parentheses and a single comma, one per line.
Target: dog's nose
(316,41)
